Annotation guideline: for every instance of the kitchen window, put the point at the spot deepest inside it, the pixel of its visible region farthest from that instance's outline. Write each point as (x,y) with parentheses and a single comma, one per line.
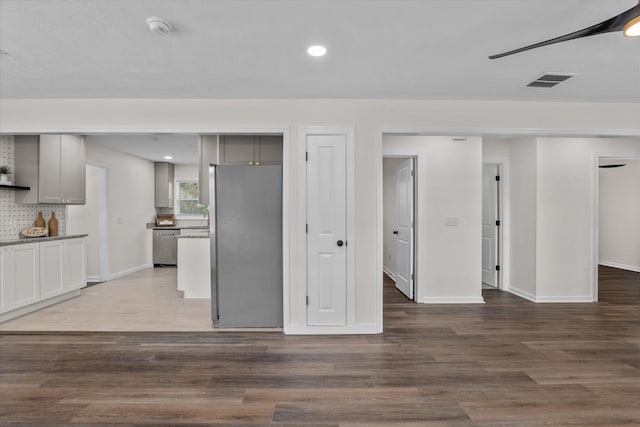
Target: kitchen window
(187,201)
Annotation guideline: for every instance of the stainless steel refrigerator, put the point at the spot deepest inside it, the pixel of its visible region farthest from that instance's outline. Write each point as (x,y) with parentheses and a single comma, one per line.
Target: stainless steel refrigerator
(246,245)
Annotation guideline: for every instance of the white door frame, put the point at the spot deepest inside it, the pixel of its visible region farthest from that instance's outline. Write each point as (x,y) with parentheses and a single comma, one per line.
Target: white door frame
(300,306)
(505,220)
(419,166)
(415,217)
(595,181)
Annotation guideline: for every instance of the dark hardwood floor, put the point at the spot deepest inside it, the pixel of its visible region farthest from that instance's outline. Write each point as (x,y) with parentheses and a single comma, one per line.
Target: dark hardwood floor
(508,362)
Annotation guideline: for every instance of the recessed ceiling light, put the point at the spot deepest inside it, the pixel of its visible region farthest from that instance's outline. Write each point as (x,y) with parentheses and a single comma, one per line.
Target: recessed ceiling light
(168,157)
(317,50)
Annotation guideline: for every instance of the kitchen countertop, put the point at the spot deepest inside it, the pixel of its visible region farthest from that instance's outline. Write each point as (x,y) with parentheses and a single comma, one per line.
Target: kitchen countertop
(177,227)
(25,240)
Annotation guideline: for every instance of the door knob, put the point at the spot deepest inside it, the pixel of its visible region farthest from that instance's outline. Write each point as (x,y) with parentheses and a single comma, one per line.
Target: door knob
(395,231)
(340,243)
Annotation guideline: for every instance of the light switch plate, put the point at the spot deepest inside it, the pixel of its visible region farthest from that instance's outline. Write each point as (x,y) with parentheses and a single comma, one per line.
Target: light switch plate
(451,221)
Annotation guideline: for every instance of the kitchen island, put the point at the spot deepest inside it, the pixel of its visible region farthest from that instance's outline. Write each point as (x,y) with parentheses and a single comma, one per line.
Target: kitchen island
(194,265)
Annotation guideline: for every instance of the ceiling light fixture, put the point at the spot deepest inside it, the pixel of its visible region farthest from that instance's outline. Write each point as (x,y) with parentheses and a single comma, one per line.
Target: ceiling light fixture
(632,28)
(317,50)
(158,25)
(168,157)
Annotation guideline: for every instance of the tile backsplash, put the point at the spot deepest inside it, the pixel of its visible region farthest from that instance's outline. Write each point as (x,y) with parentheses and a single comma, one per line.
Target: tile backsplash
(14,217)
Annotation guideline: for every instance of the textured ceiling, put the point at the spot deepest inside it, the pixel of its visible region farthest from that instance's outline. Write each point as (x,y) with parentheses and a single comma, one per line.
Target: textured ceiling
(430,49)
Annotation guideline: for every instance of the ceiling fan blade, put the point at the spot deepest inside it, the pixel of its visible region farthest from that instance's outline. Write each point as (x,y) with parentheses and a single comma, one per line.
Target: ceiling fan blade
(610,25)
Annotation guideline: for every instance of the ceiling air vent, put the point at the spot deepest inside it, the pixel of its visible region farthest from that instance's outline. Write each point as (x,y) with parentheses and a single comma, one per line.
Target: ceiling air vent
(550,80)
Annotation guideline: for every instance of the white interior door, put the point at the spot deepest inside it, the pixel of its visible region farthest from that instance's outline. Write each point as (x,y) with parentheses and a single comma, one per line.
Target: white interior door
(489,224)
(404,228)
(326,230)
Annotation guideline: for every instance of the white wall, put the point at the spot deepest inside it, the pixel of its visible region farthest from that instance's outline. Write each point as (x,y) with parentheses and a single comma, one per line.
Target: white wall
(390,165)
(523,210)
(86,219)
(619,215)
(185,172)
(130,206)
(449,185)
(369,117)
(495,148)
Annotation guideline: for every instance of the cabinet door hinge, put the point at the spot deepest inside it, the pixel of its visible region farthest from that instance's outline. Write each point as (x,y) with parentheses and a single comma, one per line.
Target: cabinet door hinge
(307,299)
(498,223)
(306,228)
(412,276)
(497,268)
(498,178)
(306,156)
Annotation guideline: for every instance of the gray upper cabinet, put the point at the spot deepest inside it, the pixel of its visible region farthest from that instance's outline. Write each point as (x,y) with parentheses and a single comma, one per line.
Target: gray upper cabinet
(250,150)
(164,184)
(269,150)
(53,166)
(72,169)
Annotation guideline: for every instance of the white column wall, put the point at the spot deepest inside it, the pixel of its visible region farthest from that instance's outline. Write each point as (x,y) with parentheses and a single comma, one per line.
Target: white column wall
(449,185)
(567,175)
(523,209)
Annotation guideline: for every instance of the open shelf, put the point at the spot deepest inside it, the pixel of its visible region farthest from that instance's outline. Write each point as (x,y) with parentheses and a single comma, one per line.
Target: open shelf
(13,187)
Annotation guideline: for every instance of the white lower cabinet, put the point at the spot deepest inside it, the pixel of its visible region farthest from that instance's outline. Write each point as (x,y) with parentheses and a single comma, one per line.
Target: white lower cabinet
(19,276)
(36,272)
(51,269)
(62,267)
(74,265)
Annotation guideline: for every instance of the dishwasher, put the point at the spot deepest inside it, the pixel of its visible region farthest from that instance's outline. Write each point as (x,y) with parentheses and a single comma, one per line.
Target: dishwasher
(165,247)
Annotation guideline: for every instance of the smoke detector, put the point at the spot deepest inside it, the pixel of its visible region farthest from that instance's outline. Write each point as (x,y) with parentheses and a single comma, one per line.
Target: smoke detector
(158,25)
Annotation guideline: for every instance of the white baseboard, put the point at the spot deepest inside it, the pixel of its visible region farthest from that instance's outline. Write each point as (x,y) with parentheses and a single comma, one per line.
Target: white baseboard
(522,294)
(389,273)
(94,279)
(38,305)
(363,329)
(564,299)
(620,266)
(549,299)
(129,271)
(453,300)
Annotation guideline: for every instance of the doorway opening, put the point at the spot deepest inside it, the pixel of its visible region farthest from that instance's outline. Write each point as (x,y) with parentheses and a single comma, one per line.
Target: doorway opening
(491,226)
(121,217)
(617,249)
(399,223)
